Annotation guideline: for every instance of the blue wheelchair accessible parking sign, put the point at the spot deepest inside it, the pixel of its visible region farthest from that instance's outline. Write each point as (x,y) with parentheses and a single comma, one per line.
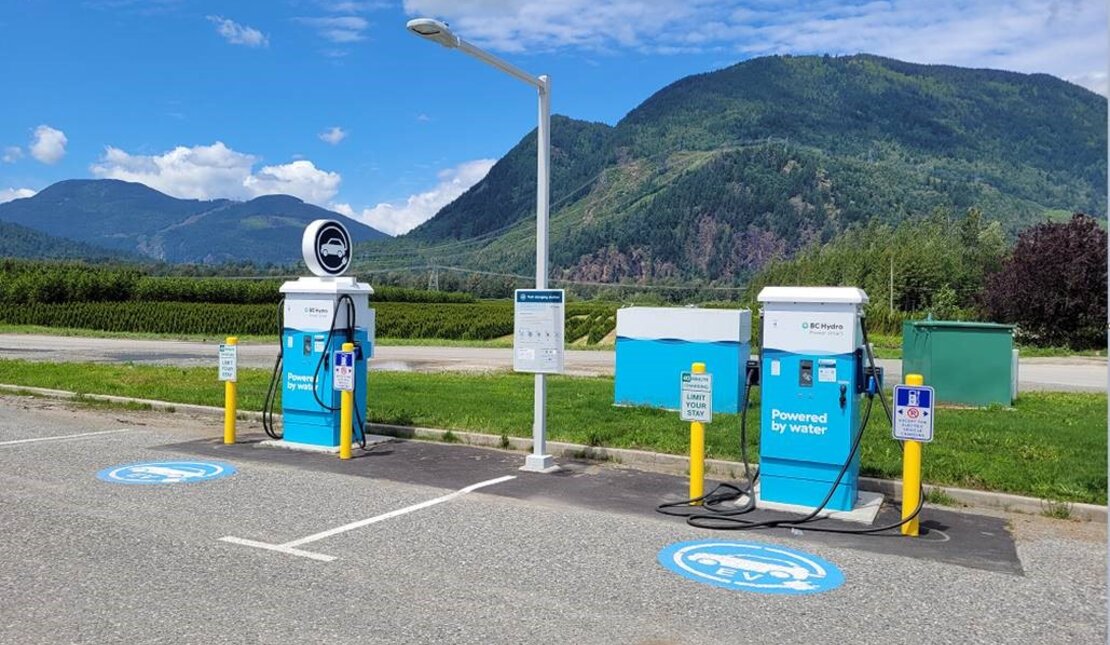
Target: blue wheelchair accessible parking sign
(166,472)
(751,566)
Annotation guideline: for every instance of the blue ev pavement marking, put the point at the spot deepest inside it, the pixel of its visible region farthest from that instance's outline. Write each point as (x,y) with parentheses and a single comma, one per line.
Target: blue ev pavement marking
(751,566)
(166,472)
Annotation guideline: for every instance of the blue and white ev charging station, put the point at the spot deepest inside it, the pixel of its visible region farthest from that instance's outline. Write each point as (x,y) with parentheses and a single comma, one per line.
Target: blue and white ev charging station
(319,314)
(818,384)
(812,380)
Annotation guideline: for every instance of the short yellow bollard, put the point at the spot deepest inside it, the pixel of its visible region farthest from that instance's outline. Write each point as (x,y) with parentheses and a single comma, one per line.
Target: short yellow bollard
(230,401)
(911,474)
(346,408)
(697,449)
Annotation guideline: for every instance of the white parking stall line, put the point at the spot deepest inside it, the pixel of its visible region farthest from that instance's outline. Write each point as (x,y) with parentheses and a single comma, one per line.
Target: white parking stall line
(280,548)
(65,437)
(397,513)
(289,548)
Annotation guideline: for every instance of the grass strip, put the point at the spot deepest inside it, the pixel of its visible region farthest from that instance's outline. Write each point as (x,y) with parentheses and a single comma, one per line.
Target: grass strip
(1051,445)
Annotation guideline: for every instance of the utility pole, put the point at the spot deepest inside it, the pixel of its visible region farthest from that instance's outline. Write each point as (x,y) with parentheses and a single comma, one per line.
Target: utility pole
(891,283)
(433,278)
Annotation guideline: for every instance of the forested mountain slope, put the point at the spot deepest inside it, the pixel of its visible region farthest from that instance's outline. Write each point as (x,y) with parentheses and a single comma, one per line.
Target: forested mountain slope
(719,173)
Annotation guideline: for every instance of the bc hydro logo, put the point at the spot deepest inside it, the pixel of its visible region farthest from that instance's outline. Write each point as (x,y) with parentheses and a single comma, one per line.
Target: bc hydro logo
(166,472)
(751,566)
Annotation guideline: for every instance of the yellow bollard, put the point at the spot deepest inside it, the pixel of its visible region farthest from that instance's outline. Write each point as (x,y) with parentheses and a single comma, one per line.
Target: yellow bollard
(346,408)
(911,474)
(697,449)
(230,402)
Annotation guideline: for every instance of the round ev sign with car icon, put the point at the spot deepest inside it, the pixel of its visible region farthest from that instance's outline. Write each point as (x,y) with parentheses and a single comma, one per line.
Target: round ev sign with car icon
(751,566)
(326,247)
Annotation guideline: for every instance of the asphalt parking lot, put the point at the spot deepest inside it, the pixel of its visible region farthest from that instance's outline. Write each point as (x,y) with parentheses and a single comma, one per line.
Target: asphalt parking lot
(406,557)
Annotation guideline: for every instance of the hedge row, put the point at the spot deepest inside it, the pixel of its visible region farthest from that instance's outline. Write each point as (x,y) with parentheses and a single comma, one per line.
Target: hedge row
(223,290)
(466,321)
(148,317)
(67,282)
(483,320)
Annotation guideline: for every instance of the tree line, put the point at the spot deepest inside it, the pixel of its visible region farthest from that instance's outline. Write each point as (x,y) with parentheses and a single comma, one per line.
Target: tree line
(1051,284)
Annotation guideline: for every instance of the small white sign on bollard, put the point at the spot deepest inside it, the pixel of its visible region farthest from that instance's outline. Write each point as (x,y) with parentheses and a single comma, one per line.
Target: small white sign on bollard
(343,372)
(229,362)
(696,402)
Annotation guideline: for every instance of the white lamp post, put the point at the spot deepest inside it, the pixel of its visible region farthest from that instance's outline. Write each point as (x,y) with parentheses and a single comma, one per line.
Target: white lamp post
(439,32)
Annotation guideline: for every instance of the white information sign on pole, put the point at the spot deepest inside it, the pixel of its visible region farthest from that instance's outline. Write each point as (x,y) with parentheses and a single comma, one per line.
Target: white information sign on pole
(539,316)
(229,362)
(913,413)
(343,372)
(697,397)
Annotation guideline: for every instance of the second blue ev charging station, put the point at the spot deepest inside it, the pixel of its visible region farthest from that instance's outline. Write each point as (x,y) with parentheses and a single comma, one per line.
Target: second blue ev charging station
(819,382)
(812,378)
(319,314)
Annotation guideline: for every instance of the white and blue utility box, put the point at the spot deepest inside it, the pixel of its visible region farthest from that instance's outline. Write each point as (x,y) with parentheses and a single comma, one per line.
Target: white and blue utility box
(812,377)
(656,344)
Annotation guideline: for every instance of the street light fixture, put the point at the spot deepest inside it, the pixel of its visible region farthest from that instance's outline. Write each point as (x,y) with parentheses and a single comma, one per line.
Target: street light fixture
(433,30)
(438,32)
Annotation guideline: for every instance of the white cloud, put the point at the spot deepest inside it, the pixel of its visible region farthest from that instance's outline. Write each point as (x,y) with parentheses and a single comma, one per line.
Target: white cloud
(48,145)
(1067,38)
(136,7)
(1094,80)
(339,29)
(9,194)
(238,34)
(217,171)
(299,178)
(12,154)
(333,135)
(404,215)
(353,6)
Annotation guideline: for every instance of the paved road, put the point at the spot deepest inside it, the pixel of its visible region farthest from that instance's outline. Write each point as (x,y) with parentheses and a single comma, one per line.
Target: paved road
(544,558)
(186,353)
(1064,374)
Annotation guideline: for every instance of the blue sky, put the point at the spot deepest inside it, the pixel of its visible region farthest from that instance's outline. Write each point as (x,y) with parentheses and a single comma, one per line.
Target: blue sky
(333,101)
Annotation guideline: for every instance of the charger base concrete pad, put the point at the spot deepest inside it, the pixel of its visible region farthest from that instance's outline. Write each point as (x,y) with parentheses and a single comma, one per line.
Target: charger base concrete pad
(371,439)
(866,510)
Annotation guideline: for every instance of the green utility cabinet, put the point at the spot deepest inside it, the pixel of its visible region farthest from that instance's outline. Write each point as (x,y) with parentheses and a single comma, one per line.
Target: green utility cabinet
(967,363)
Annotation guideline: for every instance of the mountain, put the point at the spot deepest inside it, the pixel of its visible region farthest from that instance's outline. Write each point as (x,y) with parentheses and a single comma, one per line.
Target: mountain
(21,242)
(578,151)
(133,218)
(719,173)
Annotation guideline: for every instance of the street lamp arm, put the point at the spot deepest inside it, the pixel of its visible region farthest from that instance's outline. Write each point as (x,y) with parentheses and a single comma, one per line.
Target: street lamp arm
(503,65)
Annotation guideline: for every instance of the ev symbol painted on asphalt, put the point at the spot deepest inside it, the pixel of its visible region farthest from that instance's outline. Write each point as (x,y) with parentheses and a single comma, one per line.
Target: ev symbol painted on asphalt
(166,472)
(913,413)
(751,566)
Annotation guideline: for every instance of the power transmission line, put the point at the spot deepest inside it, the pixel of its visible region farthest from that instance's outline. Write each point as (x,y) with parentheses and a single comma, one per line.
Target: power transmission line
(584,283)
